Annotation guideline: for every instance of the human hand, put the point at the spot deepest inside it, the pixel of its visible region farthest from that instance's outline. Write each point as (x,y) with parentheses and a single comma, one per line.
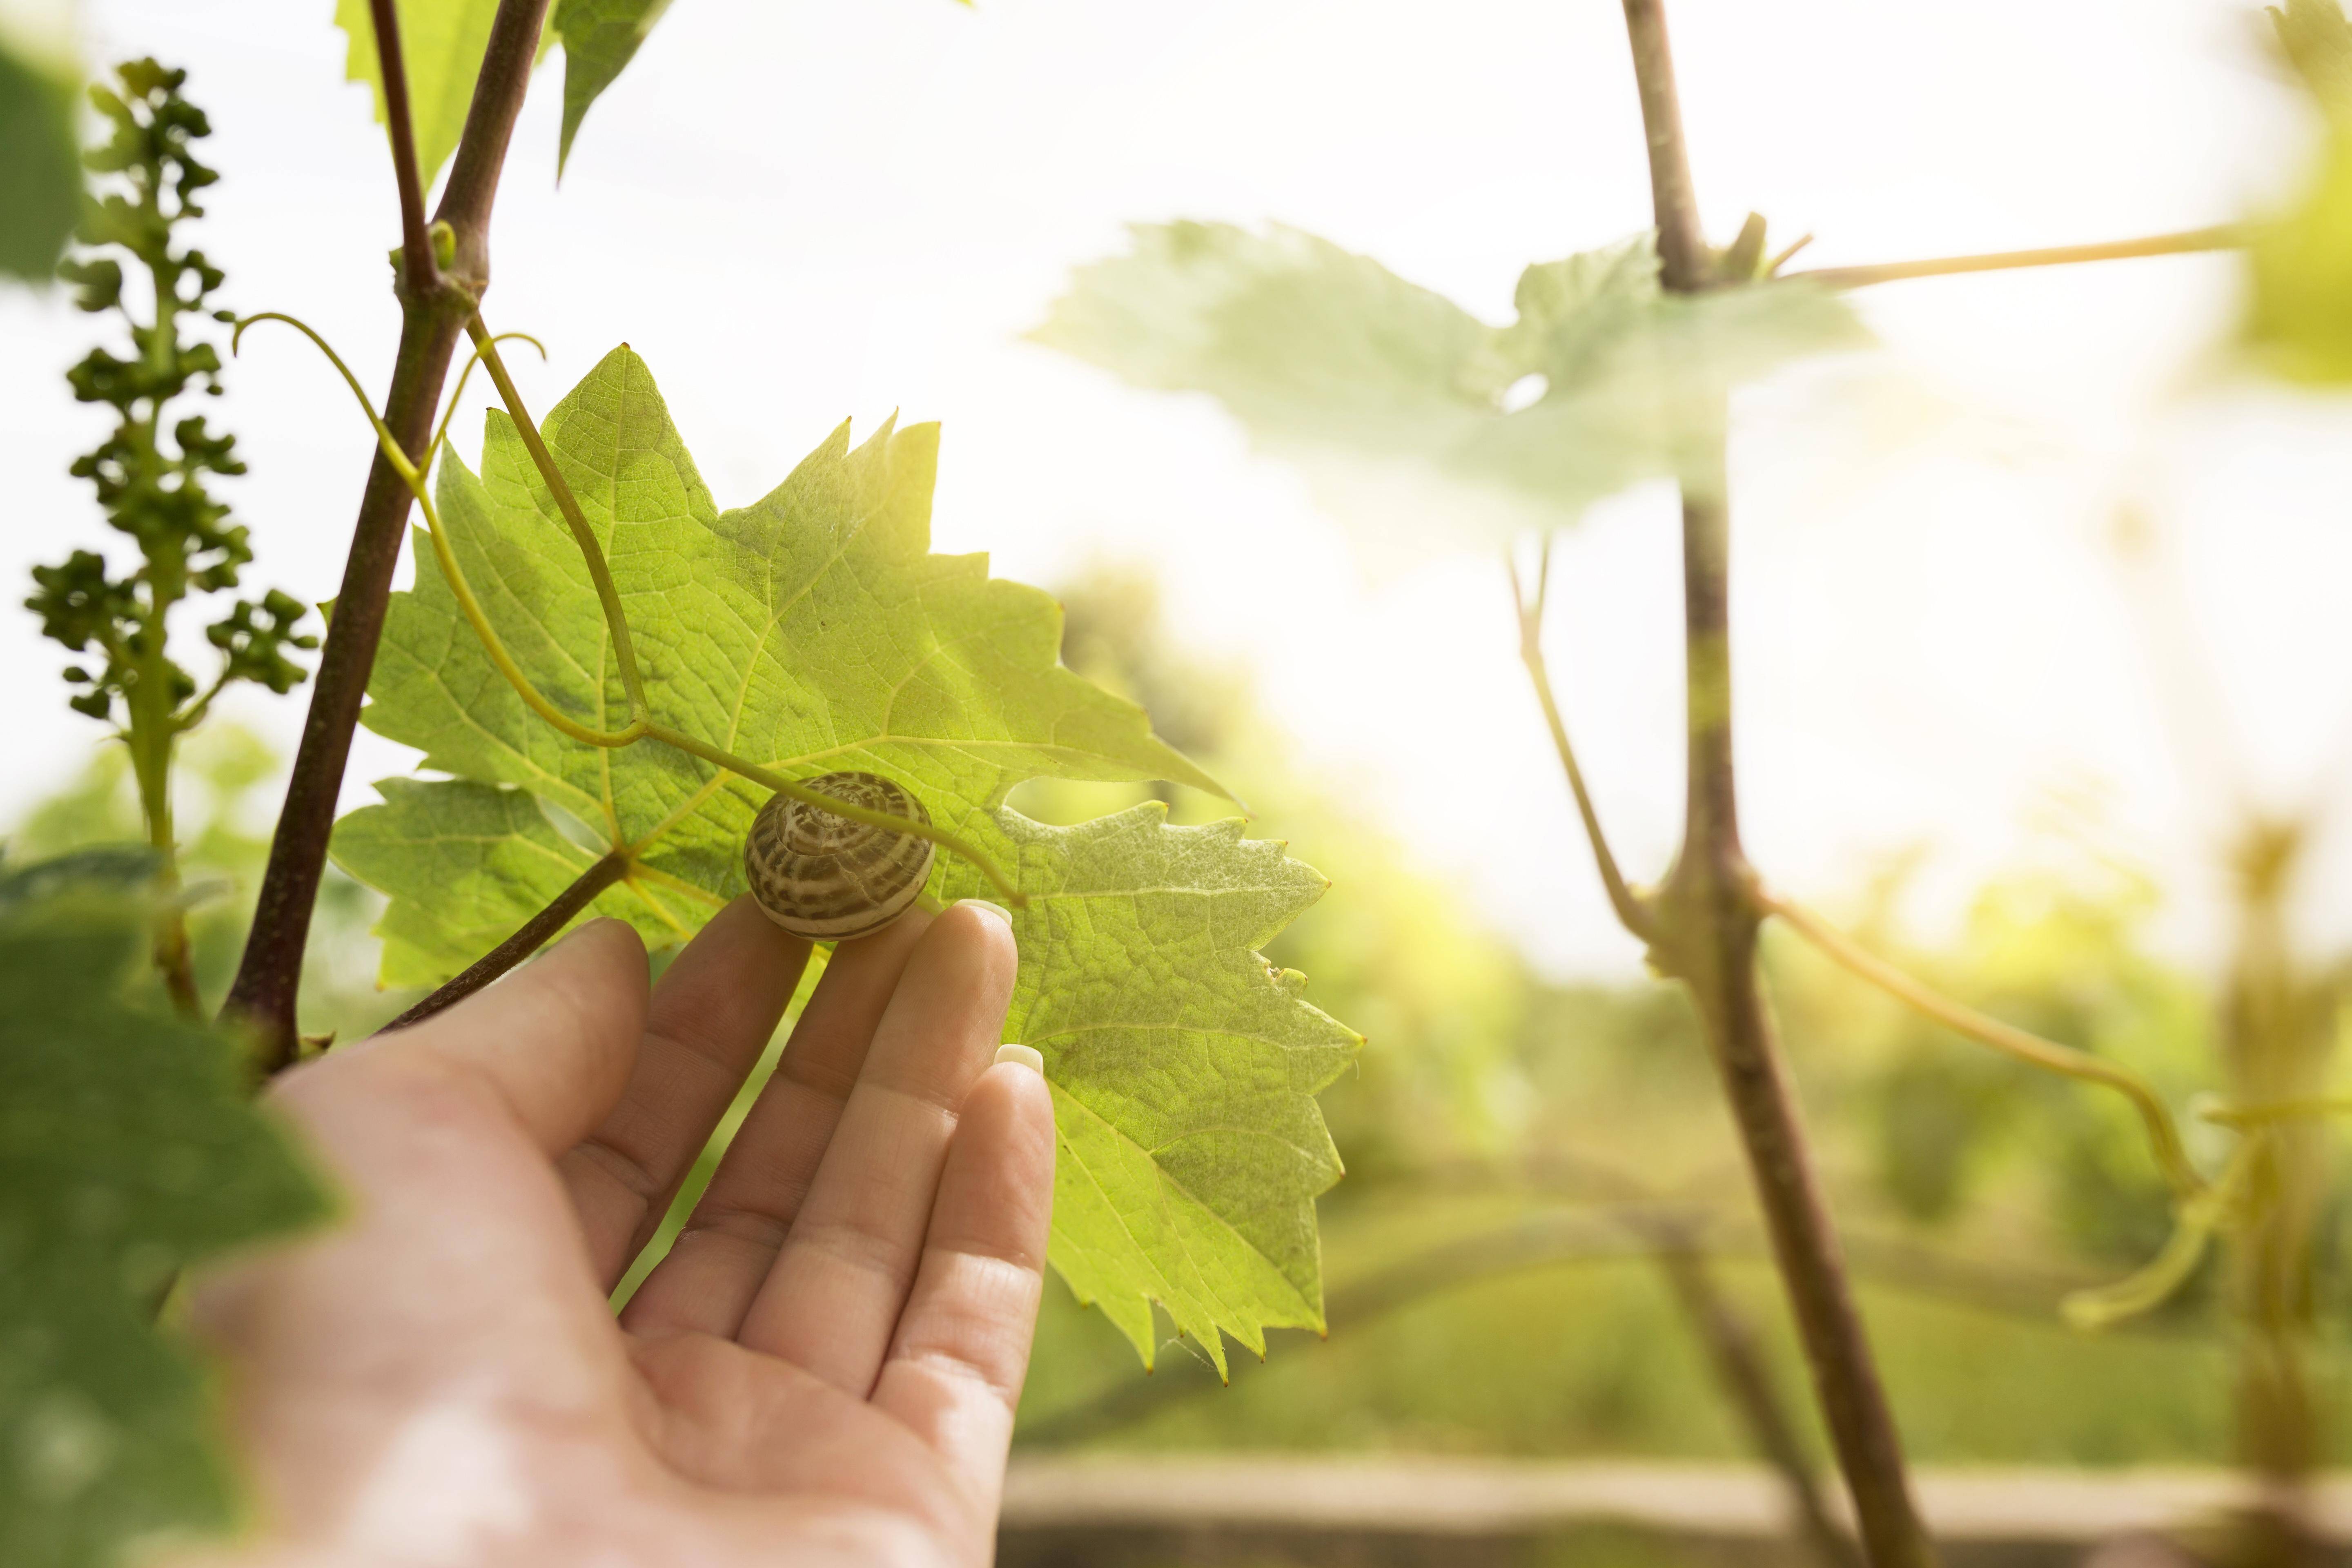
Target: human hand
(824,1369)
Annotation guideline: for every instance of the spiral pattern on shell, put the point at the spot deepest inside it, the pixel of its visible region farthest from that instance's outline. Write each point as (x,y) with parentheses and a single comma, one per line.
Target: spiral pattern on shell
(827,878)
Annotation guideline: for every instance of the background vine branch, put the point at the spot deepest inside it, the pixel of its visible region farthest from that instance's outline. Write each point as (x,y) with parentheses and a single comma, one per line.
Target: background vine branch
(2163,1132)
(2221,236)
(1707,926)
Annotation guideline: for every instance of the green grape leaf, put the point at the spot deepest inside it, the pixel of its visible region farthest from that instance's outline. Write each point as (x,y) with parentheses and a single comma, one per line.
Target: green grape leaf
(465,864)
(128,1150)
(441,46)
(814,631)
(600,38)
(1414,419)
(40,179)
(1184,1070)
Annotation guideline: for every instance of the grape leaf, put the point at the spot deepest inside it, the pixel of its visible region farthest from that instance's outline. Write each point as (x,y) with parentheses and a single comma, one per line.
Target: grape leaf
(600,38)
(1184,1070)
(40,179)
(441,46)
(465,864)
(1377,386)
(128,1150)
(813,631)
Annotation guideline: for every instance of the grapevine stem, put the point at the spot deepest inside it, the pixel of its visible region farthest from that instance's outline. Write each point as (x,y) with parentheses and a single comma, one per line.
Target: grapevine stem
(2222,237)
(270,975)
(2163,1133)
(640,727)
(1708,924)
(1631,912)
(528,939)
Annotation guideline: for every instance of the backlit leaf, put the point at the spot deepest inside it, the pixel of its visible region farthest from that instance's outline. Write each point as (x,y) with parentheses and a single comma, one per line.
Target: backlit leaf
(600,38)
(1414,419)
(813,631)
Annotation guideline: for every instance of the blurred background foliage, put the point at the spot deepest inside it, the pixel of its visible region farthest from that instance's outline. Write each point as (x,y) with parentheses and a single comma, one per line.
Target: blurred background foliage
(1518,1149)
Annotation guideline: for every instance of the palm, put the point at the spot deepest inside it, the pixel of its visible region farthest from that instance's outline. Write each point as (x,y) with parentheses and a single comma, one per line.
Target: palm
(824,1368)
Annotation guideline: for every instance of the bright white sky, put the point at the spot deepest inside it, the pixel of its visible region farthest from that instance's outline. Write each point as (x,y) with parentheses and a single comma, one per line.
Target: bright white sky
(797,211)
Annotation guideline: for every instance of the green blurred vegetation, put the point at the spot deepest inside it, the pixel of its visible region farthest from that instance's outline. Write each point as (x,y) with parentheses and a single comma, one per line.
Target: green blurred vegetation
(1491,1287)
(227,785)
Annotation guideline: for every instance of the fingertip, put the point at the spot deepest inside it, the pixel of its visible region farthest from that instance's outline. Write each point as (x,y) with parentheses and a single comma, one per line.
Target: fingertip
(1029,1057)
(980,932)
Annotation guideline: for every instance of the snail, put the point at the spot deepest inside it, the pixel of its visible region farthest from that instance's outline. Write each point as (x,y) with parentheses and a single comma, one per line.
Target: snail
(828,879)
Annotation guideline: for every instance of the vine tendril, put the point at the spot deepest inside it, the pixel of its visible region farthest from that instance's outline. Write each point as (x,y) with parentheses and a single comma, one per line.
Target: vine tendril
(640,727)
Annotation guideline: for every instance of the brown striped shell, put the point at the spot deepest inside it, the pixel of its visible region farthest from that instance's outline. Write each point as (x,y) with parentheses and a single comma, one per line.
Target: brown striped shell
(827,878)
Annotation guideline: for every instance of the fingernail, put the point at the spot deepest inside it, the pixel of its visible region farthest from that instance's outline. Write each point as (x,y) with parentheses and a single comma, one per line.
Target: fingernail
(998,910)
(1029,1057)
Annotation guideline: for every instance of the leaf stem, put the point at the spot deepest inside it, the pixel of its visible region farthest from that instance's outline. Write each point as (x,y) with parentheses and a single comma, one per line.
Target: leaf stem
(625,652)
(418,268)
(2221,236)
(2163,1133)
(1632,912)
(528,939)
(441,432)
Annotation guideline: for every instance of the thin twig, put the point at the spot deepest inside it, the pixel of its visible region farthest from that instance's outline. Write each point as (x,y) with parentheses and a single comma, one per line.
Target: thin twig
(528,939)
(2222,237)
(2194,1221)
(418,267)
(1746,1380)
(457,393)
(2163,1133)
(1632,912)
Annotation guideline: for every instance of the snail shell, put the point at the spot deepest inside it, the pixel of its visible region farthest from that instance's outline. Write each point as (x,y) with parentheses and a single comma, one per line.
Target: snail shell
(828,879)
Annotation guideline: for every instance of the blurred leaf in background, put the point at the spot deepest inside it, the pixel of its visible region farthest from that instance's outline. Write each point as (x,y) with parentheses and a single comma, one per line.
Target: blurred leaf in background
(129,1150)
(40,157)
(1416,422)
(2298,321)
